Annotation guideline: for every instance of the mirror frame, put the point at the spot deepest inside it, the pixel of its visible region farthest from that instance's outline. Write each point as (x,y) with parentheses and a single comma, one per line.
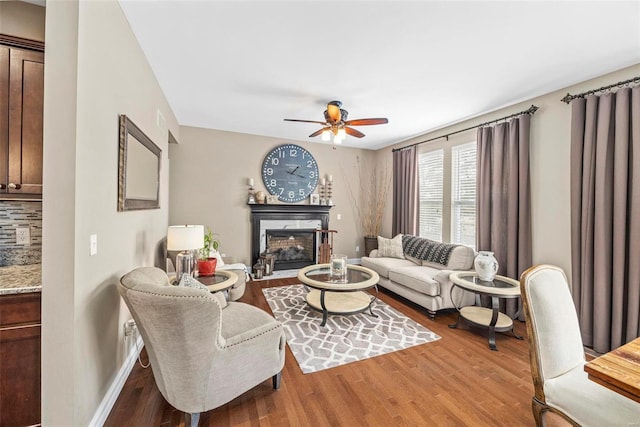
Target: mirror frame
(127,127)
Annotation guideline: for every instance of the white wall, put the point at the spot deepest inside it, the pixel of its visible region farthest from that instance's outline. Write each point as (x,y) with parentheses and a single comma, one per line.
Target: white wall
(550,149)
(209,171)
(94,71)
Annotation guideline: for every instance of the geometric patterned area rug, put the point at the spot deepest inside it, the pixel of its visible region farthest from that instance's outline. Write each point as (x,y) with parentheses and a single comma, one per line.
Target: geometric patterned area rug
(344,339)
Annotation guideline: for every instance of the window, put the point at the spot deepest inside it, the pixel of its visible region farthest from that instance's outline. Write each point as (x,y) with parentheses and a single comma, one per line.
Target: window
(463,194)
(430,169)
(448,194)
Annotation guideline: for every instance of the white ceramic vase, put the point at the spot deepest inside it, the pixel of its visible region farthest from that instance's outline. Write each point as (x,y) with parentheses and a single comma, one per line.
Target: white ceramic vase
(486,266)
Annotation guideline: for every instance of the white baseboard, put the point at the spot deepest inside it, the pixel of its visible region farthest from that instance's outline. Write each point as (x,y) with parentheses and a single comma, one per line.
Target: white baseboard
(109,399)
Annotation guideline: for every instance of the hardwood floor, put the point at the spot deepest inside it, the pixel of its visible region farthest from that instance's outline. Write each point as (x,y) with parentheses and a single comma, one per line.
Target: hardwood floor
(455,381)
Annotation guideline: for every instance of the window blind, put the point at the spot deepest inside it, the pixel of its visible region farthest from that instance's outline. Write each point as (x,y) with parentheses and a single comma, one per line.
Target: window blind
(430,170)
(463,196)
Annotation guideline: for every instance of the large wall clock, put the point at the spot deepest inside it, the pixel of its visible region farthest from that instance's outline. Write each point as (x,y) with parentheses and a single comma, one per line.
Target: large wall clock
(290,172)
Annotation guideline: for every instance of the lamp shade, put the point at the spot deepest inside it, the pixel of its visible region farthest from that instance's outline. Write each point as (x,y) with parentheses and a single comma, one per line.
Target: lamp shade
(185,237)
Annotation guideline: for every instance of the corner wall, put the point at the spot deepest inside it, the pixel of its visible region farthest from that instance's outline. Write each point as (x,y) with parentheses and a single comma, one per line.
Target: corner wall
(209,172)
(94,71)
(550,165)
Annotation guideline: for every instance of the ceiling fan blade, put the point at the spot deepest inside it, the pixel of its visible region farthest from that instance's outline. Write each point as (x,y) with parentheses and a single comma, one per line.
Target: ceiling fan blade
(353,132)
(333,111)
(366,122)
(318,132)
(305,121)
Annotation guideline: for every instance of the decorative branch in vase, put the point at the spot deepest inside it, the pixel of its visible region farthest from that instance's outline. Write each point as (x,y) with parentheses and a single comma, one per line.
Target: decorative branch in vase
(370,200)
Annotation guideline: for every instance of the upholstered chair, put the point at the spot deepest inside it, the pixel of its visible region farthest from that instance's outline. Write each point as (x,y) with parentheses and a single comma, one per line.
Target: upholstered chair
(204,352)
(557,357)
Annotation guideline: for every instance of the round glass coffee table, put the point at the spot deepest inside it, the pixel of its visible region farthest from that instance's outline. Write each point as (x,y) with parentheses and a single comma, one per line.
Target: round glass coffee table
(491,318)
(344,297)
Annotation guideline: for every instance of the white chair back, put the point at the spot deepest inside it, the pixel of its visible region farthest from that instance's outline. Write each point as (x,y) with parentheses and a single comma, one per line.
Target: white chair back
(554,321)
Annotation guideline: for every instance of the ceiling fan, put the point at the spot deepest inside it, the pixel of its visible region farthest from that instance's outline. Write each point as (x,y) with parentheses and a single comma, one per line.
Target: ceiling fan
(336,123)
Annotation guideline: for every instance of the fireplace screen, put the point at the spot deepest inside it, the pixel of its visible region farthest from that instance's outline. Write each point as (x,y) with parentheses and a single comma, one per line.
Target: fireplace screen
(292,248)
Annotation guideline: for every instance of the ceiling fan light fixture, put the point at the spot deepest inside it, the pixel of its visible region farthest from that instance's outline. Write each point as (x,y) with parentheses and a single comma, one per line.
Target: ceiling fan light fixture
(326,135)
(342,133)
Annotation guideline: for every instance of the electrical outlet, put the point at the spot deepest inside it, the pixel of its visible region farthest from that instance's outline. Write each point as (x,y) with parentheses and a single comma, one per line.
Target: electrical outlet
(130,327)
(23,236)
(357,249)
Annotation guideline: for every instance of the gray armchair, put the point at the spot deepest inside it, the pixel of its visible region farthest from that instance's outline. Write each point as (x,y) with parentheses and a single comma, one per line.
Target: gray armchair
(204,352)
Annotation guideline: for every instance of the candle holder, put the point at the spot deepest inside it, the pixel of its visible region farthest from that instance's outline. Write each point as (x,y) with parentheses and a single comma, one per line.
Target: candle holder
(329,191)
(251,198)
(323,192)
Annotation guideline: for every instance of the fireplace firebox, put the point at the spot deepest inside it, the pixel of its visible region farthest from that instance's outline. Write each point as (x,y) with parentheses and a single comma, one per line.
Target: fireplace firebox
(281,222)
(292,248)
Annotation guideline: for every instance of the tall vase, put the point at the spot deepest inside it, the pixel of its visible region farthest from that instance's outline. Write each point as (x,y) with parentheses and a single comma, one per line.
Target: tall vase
(486,266)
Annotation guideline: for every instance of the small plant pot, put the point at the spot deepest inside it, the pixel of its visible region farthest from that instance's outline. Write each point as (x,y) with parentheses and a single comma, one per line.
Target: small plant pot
(207,267)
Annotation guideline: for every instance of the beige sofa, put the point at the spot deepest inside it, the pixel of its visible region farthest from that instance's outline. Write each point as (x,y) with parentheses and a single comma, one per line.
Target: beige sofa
(424,279)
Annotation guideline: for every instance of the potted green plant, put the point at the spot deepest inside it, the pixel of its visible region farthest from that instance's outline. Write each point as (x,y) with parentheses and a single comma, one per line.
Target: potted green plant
(206,260)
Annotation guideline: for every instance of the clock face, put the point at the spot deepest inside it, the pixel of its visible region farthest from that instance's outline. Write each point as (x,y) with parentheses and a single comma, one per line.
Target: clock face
(290,172)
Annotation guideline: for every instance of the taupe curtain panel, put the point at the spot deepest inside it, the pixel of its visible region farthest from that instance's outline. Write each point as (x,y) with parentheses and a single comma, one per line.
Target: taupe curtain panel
(504,197)
(405,192)
(605,217)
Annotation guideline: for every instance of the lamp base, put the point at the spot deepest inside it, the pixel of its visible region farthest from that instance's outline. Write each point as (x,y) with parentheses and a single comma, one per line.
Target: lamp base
(184,264)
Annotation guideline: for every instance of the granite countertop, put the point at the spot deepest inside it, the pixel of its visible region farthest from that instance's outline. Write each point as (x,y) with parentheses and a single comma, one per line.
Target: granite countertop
(17,279)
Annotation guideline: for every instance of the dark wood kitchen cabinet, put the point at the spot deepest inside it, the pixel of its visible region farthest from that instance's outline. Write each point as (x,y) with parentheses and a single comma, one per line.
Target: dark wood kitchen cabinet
(20,359)
(21,117)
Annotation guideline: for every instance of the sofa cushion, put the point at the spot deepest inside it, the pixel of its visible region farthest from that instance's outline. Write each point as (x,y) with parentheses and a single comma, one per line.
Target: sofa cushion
(420,279)
(390,247)
(383,265)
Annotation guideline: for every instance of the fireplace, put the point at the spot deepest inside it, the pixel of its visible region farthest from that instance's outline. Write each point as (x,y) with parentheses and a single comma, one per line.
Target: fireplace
(292,248)
(288,229)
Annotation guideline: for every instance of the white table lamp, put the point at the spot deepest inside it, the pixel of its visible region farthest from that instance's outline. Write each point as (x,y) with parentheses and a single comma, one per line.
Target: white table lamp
(185,238)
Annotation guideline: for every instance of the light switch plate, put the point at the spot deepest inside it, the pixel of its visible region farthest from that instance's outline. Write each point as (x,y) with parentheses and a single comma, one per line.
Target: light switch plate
(93,244)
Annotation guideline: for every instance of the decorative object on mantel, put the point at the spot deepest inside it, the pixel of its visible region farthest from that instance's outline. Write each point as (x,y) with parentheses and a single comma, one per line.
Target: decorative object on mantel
(260,197)
(185,238)
(486,266)
(250,198)
(370,202)
(290,172)
(314,199)
(208,260)
(326,190)
(272,199)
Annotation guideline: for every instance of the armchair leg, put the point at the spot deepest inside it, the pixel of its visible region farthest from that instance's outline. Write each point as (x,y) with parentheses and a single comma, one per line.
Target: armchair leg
(276,380)
(539,409)
(191,420)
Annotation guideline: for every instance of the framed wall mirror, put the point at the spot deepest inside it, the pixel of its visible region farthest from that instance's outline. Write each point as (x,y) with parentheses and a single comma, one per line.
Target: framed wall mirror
(138,169)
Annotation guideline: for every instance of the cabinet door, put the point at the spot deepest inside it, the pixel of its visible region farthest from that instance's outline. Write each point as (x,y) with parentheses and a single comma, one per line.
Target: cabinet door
(26,95)
(4,117)
(20,359)
(20,375)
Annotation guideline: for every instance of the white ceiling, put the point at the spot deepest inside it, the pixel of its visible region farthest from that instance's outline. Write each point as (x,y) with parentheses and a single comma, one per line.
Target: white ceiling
(245,66)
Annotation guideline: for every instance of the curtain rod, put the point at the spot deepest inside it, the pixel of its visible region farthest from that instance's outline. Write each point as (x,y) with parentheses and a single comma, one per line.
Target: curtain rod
(568,98)
(530,110)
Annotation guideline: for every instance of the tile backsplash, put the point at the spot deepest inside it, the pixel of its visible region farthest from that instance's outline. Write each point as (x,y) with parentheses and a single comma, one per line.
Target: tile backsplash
(15,214)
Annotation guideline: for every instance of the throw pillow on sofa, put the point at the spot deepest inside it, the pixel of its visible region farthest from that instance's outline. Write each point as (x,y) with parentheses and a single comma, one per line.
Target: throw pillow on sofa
(437,255)
(391,248)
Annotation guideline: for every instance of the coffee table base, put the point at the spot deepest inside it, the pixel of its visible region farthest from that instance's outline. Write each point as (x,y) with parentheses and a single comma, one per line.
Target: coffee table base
(339,302)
